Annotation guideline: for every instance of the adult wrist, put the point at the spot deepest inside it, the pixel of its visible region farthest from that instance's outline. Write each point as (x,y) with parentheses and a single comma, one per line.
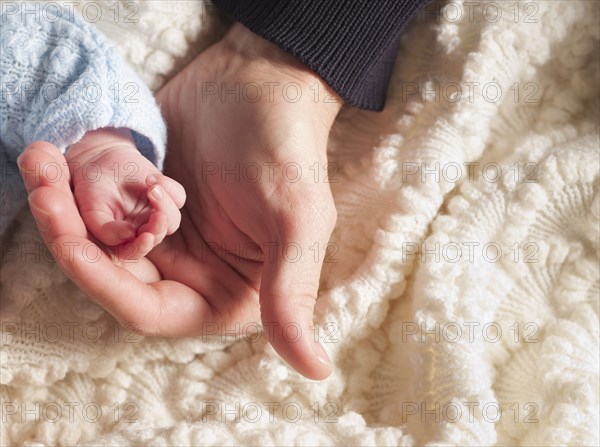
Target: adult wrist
(251,47)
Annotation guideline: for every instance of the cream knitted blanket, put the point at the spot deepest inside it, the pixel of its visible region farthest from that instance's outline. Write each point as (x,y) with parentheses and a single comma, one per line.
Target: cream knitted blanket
(463,304)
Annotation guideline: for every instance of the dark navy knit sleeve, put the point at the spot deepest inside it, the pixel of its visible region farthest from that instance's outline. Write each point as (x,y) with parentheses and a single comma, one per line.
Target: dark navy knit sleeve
(351,44)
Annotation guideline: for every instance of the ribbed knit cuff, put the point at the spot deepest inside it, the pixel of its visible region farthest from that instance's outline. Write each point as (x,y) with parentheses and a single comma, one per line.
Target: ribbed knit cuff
(350,44)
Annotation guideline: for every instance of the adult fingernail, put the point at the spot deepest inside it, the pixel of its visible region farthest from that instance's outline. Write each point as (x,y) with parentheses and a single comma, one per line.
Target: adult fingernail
(321,355)
(157,193)
(42,217)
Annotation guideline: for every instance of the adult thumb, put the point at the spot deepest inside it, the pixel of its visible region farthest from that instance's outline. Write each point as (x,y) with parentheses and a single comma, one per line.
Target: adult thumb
(289,286)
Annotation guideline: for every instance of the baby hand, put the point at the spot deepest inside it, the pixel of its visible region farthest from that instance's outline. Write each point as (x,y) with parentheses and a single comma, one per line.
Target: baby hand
(124,200)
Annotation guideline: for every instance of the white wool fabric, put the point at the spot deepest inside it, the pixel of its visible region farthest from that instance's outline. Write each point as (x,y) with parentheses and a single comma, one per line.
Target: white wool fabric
(462,308)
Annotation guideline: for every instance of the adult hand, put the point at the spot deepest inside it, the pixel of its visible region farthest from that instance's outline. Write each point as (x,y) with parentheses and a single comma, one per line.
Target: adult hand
(248,129)
(199,276)
(143,296)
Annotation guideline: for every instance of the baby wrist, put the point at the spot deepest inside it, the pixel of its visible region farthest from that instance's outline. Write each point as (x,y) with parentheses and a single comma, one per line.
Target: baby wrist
(97,141)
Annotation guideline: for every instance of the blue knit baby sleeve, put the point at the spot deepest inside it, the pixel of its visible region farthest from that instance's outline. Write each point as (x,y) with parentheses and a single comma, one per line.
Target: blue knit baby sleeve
(61,78)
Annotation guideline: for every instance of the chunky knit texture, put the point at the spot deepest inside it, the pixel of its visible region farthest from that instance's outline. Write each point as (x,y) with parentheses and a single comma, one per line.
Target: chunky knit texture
(546,383)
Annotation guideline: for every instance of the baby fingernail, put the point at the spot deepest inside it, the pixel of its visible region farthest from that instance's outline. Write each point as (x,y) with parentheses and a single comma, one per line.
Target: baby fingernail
(152,179)
(157,193)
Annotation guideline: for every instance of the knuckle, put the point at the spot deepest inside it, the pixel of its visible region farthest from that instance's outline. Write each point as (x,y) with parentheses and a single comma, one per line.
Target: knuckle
(312,209)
